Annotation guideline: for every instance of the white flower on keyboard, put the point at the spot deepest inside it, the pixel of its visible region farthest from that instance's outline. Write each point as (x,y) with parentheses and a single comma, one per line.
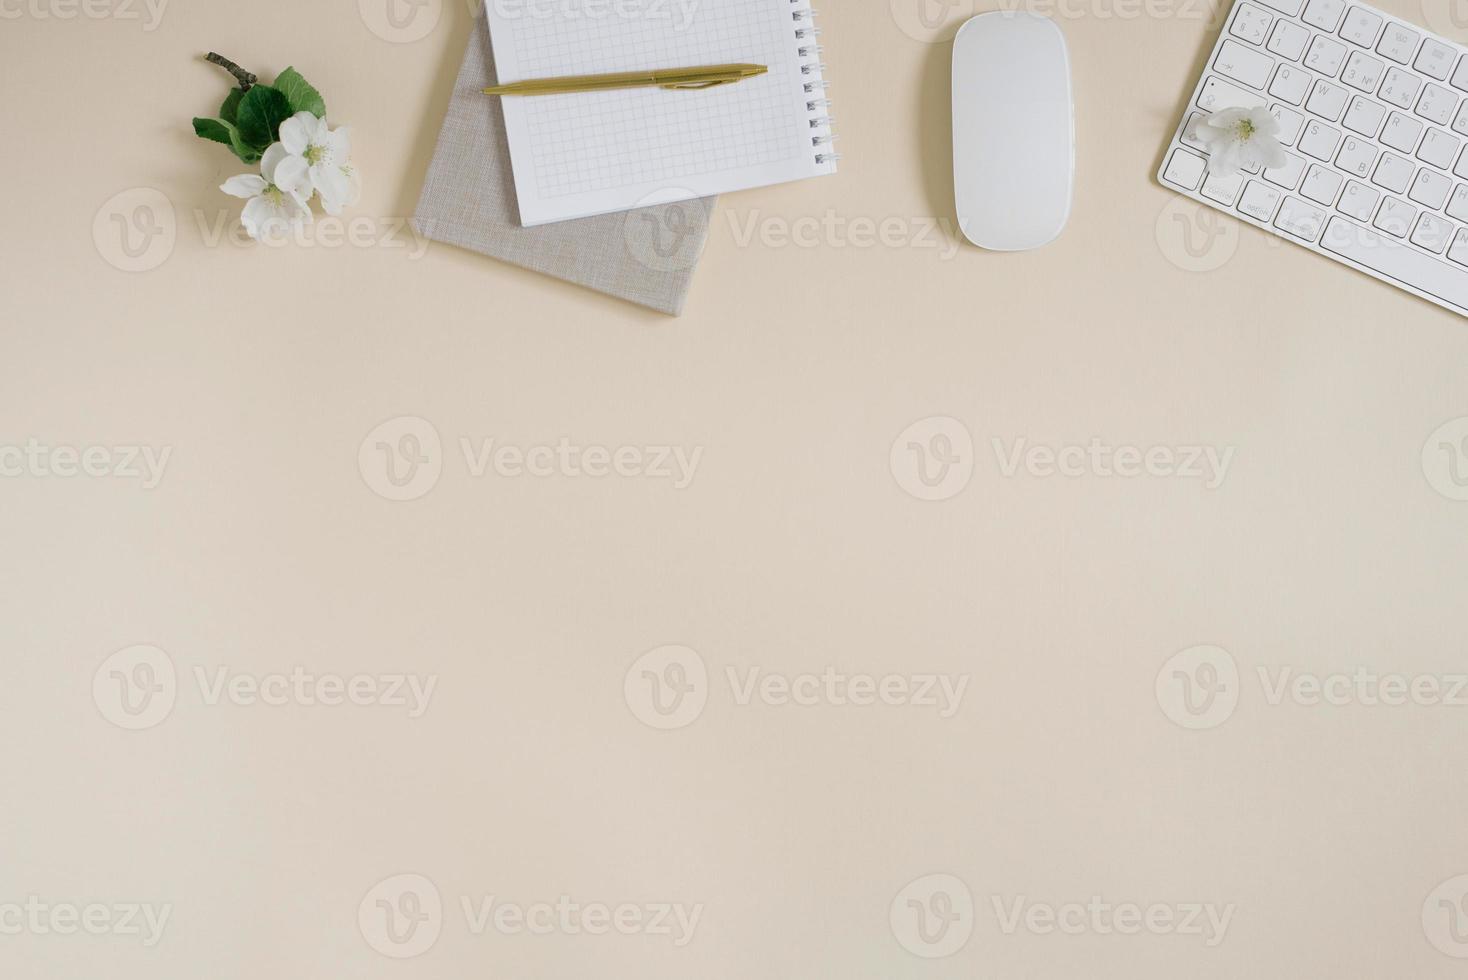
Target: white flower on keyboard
(1238,139)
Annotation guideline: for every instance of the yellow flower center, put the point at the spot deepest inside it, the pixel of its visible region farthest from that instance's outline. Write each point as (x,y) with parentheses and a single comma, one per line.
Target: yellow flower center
(316,154)
(1245,129)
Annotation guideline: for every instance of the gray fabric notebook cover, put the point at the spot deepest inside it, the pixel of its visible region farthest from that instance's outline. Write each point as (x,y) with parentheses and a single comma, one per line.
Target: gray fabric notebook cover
(646,256)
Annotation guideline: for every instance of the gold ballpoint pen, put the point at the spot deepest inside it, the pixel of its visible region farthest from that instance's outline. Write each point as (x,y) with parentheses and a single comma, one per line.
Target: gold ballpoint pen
(686,79)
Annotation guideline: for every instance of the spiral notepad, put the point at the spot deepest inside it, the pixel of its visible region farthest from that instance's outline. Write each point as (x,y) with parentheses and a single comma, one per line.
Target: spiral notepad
(587,153)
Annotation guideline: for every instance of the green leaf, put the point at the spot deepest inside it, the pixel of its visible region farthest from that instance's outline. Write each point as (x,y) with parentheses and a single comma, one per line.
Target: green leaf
(221,131)
(245,152)
(229,112)
(261,112)
(300,94)
(214,129)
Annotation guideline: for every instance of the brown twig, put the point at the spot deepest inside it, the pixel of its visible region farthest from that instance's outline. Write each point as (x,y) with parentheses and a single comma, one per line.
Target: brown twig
(246,79)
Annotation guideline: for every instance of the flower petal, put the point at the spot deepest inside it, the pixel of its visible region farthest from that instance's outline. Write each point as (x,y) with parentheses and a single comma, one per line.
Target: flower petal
(293,175)
(245,185)
(1271,154)
(1263,119)
(295,133)
(295,209)
(354,186)
(270,160)
(340,144)
(256,212)
(1226,160)
(1227,118)
(332,183)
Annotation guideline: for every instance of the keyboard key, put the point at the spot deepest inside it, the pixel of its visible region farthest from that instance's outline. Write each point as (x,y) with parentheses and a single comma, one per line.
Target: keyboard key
(1356,156)
(1289,120)
(1259,200)
(1393,173)
(1361,26)
(1319,140)
(1222,189)
(1243,64)
(1251,23)
(1289,7)
(1290,84)
(1362,72)
(1398,42)
(1438,148)
(1217,94)
(1327,100)
(1458,251)
(1458,203)
(1300,219)
(1401,132)
(1435,59)
(1324,14)
(1358,201)
(1189,135)
(1364,117)
(1395,217)
(1400,88)
(1288,40)
(1288,175)
(1460,168)
(1325,55)
(1396,261)
(1430,189)
(1321,185)
(1184,169)
(1460,76)
(1437,104)
(1432,232)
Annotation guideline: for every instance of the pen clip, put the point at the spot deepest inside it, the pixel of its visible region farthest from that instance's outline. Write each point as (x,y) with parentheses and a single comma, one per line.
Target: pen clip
(694,86)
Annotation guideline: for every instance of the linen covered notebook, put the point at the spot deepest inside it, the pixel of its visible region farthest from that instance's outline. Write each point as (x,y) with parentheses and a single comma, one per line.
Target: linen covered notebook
(468,199)
(584,153)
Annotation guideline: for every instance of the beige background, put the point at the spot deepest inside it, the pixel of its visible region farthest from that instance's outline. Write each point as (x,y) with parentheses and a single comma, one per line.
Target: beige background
(1332,544)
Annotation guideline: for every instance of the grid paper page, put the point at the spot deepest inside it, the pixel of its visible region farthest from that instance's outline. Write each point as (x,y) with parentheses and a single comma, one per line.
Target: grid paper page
(591,153)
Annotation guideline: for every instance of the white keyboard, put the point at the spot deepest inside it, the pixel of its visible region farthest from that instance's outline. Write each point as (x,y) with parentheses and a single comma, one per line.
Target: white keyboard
(1373,113)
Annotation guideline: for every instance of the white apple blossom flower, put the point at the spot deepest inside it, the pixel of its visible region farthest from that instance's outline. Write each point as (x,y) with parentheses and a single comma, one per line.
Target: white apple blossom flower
(276,197)
(1238,139)
(326,153)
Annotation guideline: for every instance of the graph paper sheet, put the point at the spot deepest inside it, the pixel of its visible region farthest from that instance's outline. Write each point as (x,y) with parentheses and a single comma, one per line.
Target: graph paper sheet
(581,154)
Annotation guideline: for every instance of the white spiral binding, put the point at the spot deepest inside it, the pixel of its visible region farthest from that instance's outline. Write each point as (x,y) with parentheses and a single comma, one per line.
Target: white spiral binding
(817,104)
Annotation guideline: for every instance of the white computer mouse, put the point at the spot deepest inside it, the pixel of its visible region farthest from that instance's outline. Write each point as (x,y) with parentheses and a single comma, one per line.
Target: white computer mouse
(1013,130)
